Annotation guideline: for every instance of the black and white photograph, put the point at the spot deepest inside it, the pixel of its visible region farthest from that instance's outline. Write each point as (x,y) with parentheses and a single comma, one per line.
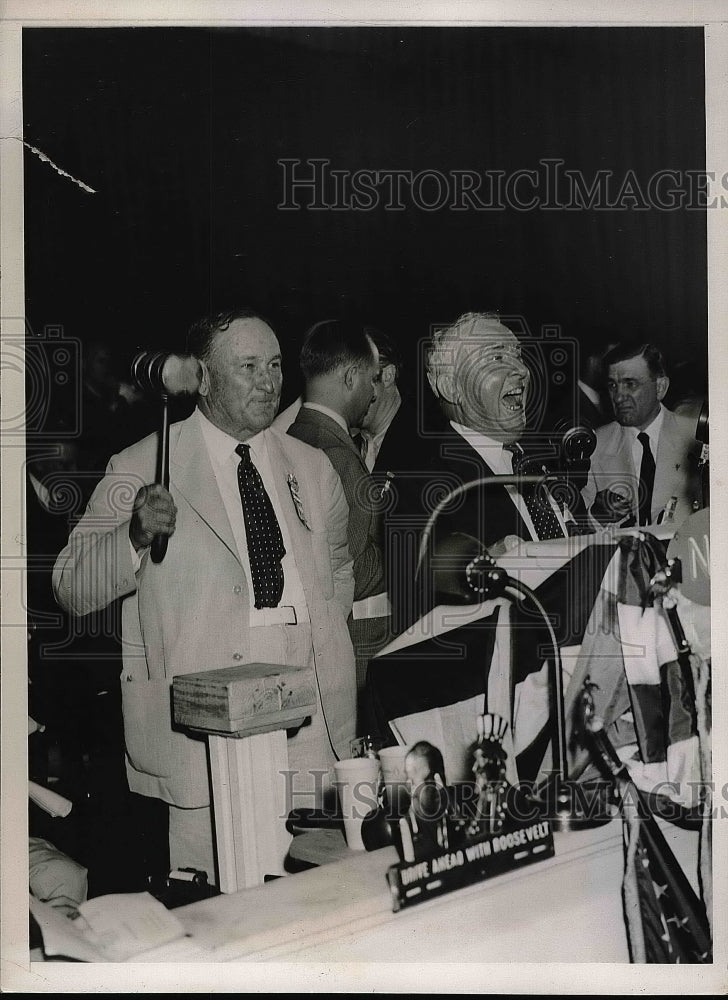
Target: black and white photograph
(358,368)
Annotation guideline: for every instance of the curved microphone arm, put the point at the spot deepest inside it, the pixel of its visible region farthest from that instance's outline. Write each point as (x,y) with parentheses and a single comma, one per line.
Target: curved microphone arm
(556,679)
(513,480)
(495,581)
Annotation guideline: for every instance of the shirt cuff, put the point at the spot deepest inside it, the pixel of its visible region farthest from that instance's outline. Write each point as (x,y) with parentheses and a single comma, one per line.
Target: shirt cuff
(136,557)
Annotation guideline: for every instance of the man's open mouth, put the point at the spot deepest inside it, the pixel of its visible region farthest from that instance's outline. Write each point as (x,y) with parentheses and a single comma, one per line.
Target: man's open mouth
(514,399)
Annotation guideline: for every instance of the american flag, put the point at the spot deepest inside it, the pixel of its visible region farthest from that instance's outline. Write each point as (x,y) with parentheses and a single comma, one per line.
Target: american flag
(666,920)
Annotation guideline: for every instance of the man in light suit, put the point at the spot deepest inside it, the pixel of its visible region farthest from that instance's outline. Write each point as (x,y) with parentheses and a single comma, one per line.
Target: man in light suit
(201,607)
(340,366)
(645,461)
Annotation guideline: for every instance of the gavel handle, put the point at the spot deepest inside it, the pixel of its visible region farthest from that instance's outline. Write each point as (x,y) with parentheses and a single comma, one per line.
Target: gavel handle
(159,542)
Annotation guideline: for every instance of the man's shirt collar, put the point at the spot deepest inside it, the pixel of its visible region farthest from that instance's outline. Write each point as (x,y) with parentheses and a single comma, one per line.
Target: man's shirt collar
(652,430)
(329,413)
(222,445)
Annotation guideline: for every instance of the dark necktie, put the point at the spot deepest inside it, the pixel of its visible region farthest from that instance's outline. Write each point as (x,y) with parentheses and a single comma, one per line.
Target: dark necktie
(265,542)
(647,479)
(361,444)
(538,503)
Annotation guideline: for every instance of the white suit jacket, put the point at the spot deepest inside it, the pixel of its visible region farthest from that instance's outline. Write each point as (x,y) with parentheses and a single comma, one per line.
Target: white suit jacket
(190,612)
(676,466)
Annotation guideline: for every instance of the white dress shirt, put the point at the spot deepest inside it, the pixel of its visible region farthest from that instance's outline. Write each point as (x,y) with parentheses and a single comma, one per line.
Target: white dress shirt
(225,460)
(221,449)
(653,433)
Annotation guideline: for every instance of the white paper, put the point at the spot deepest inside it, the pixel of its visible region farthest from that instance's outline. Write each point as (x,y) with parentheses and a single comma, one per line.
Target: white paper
(123,925)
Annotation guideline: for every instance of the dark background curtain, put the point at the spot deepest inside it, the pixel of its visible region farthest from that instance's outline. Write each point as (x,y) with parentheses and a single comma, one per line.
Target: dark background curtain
(179,132)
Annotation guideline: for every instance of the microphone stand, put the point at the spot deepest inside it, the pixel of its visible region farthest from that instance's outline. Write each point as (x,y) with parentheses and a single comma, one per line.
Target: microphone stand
(488,580)
(513,480)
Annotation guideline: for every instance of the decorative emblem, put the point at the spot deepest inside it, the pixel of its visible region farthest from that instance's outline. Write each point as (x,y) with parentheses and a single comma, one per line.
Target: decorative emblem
(297,503)
(387,486)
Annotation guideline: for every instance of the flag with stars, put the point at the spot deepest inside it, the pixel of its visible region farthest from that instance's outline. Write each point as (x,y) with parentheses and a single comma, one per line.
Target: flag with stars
(666,920)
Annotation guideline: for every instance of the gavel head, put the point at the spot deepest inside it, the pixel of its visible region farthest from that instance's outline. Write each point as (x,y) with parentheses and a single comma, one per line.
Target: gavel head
(160,373)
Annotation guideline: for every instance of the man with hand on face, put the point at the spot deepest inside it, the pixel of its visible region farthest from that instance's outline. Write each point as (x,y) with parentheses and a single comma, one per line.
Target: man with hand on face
(646,459)
(340,366)
(257,569)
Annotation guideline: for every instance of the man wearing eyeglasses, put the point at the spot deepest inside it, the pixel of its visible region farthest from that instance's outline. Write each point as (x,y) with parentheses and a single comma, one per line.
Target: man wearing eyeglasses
(645,465)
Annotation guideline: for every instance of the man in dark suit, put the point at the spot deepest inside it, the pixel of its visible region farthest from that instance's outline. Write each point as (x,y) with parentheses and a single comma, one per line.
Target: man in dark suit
(585,401)
(379,438)
(340,366)
(480,382)
(645,461)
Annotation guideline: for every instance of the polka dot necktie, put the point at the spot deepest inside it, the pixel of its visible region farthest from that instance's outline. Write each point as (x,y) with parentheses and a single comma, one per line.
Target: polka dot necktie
(647,479)
(538,503)
(265,542)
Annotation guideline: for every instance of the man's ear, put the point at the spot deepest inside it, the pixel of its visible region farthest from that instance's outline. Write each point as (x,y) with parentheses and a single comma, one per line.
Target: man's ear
(204,386)
(443,385)
(350,374)
(389,376)
(663,384)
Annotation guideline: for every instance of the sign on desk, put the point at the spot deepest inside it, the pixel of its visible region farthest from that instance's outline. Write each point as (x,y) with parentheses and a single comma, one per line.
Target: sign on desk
(480,858)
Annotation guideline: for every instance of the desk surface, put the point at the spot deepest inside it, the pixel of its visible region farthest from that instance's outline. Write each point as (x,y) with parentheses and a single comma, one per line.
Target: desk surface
(565,909)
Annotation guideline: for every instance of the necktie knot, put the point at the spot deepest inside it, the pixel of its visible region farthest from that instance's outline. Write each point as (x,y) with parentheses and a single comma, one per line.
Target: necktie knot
(538,501)
(644,439)
(244,451)
(361,443)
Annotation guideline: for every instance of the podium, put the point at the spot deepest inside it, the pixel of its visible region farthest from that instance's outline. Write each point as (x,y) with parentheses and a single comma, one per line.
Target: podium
(244,711)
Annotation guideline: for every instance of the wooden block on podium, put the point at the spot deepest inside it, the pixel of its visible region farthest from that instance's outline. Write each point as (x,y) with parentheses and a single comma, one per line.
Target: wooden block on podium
(245,711)
(246,699)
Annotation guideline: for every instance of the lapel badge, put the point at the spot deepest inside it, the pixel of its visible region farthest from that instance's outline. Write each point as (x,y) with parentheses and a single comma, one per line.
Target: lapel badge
(296,497)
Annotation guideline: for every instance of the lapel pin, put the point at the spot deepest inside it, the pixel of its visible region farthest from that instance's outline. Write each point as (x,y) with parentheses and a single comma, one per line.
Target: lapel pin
(297,502)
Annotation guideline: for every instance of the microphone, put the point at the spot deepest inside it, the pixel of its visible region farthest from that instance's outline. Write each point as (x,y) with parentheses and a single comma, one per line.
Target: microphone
(702,435)
(577,441)
(568,448)
(161,374)
(565,456)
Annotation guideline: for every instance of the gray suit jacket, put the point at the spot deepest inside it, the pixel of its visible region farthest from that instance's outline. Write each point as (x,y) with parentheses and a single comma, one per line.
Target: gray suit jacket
(676,466)
(190,612)
(319,430)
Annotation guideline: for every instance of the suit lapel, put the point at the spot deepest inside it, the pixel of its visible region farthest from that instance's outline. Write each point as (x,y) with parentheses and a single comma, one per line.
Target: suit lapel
(668,461)
(334,430)
(191,472)
(283,466)
(459,447)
